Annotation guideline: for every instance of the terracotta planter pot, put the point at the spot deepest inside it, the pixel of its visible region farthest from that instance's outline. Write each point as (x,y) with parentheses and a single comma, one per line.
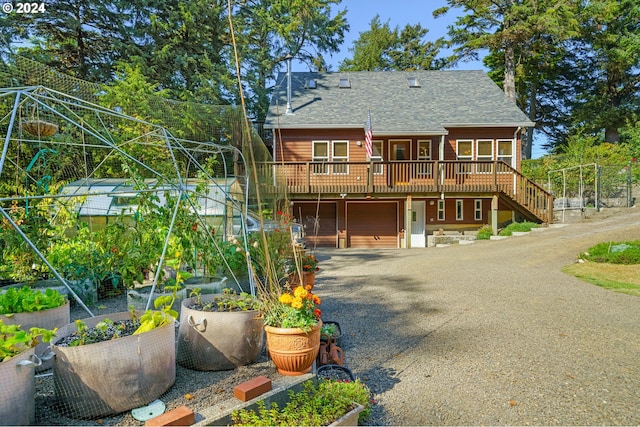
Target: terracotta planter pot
(17,394)
(293,350)
(308,278)
(218,341)
(110,377)
(48,319)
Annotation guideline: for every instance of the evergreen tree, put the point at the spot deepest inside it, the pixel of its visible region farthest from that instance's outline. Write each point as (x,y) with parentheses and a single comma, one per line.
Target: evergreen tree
(382,49)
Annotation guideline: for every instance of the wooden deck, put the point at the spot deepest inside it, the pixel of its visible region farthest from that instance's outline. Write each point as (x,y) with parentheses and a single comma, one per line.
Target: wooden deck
(403,177)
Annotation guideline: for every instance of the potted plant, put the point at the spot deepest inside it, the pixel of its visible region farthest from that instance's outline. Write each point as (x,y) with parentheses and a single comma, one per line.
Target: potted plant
(110,364)
(219,331)
(331,332)
(307,266)
(321,402)
(292,325)
(17,363)
(335,372)
(34,308)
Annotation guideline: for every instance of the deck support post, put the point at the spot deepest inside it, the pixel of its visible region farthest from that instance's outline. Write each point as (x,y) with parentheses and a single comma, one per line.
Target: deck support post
(494,214)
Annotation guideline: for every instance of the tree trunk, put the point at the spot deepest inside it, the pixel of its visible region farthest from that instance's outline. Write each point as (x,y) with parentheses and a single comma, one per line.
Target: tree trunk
(527,148)
(509,83)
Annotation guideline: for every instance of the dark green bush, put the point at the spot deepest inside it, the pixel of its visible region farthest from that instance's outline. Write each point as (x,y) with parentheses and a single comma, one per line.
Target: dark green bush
(614,252)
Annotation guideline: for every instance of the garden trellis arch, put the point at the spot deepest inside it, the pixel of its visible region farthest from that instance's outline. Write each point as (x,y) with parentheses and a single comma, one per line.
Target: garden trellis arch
(52,138)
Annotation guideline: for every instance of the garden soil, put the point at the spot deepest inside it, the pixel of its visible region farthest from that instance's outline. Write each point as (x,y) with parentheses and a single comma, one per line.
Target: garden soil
(489,333)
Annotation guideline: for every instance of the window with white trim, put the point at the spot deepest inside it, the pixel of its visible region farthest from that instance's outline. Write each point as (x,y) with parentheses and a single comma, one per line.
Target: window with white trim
(440,210)
(320,154)
(505,151)
(459,210)
(340,154)
(477,209)
(464,151)
(376,148)
(424,154)
(484,150)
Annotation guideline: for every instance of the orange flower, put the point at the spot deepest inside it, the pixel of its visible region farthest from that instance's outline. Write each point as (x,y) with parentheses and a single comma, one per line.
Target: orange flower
(316,300)
(317,313)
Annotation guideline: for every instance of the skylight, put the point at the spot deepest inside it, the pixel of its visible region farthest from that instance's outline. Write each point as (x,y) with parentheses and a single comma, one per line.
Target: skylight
(413,82)
(311,84)
(345,83)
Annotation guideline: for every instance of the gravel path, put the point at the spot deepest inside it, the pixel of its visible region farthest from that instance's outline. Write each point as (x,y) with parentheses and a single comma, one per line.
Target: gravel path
(491,333)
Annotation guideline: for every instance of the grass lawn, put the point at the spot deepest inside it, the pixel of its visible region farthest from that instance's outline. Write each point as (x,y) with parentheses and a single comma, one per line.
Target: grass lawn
(617,277)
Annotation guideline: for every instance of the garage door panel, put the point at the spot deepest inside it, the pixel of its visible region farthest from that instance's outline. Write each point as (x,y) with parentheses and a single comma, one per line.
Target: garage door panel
(319,221)
(372,225)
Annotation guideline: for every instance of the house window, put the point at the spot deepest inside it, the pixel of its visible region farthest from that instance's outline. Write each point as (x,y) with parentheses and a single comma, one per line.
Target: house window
(464,151)
(376,148)
(505,151)
(424,154)
(320,154)
(484,149)
(340,154)
(477,209)
(459,210)
(440,210)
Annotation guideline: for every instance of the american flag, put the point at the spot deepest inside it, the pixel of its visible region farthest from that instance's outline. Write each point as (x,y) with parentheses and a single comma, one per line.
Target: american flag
(368,136)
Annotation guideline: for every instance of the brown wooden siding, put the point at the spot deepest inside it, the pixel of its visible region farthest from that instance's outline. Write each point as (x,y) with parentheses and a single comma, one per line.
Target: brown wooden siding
(296,145)
(372,224)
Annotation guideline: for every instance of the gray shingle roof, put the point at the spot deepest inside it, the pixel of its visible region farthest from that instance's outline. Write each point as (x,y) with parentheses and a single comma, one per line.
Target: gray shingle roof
(451,98)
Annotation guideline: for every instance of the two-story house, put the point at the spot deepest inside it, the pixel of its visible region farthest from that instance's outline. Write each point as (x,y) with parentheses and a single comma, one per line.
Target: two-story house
(442,154)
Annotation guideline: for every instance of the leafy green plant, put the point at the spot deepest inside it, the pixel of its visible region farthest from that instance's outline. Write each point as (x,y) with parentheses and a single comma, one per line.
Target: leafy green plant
(328,329)
(319,403)
(614,252)
(28,300)
(14,340)
(229,300)
(484,233)
(518,227)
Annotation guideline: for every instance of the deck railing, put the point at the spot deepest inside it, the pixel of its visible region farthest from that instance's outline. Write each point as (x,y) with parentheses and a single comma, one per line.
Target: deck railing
(407,177)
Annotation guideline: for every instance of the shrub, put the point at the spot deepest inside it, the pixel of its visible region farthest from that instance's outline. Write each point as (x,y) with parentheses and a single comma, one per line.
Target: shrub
(519,227)
(484,233)
(614,252)
(317,404)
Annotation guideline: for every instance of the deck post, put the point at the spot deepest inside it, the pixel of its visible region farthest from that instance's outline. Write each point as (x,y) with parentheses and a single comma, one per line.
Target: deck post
(494,214)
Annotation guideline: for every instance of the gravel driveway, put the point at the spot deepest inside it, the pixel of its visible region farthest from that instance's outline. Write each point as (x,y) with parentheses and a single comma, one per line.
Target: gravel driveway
(491,333)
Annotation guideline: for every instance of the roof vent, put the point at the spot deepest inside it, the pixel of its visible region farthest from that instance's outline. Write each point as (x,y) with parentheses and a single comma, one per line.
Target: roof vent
(311,84)
(345,84)
(413,82)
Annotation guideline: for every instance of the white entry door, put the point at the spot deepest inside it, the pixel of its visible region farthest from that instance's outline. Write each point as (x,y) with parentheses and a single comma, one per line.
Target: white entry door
(418,239)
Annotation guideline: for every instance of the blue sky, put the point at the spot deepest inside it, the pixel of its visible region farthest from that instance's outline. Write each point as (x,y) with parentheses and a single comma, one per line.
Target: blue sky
(400,13)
